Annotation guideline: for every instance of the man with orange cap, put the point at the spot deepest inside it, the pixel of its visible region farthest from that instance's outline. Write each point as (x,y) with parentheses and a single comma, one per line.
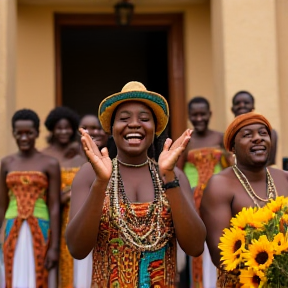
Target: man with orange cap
(243,102)
(245,184)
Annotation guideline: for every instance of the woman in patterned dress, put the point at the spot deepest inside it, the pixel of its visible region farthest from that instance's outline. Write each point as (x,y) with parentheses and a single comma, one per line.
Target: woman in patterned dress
(29,208)
(63,123)
(131,210)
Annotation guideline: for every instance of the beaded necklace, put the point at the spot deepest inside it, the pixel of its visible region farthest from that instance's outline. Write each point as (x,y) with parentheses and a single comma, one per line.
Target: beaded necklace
(271,189)
(149,232)
(132,165)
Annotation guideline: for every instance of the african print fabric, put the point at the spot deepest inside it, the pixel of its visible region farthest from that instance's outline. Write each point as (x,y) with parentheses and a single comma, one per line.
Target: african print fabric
(200,166)
(72,273)
(27,213)
(117,262)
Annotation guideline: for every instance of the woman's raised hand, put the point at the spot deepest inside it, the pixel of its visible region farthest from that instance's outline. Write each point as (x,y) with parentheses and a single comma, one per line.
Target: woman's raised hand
(99,160)
(171,152)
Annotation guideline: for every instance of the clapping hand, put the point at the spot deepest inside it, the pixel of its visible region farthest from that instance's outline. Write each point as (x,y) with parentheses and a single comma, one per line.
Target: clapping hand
(171,152)
(99,160)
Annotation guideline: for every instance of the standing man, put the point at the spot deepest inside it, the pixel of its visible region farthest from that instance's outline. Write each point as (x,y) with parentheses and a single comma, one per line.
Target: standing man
(243,102)
(204,156)
(245,184)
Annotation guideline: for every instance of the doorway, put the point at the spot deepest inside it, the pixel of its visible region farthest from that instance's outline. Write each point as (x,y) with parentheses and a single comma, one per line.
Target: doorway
(95,58)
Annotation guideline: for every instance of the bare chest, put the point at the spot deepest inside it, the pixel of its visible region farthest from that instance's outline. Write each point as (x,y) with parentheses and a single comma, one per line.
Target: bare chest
(138,188)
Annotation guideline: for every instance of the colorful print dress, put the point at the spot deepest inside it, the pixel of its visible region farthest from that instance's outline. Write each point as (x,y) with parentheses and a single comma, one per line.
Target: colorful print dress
(200,166)
(26,230)
(72,272)
(117,262)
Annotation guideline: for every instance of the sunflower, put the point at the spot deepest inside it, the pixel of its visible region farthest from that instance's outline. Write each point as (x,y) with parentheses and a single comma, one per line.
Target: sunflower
(244,218)
(280,243)
(251,279)
(260,253)
(277,204)
(262,217)
(232,243)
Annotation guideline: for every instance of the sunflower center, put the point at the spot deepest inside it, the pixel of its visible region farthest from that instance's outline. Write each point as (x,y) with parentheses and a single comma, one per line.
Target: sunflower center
(256,279)
(237,245)
(261,257)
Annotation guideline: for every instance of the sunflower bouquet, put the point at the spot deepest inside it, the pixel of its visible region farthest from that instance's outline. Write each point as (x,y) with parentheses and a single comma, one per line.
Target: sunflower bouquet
(255,246)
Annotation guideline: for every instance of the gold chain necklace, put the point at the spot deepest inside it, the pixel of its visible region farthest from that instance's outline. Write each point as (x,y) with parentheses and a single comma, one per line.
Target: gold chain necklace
(155,234)
(132,165)
(271,189)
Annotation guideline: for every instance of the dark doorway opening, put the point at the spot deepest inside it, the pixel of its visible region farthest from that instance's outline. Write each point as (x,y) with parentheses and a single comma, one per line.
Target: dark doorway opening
(99,61)
(150,50)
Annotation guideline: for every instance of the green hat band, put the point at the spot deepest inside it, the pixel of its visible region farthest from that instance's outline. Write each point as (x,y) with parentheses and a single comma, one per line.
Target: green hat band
(134,95)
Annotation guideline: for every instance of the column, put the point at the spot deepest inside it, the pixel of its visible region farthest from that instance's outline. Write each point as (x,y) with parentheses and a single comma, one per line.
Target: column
(7,73)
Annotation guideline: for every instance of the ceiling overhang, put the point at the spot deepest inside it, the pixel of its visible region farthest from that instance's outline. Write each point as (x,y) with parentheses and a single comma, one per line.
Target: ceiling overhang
(109,2)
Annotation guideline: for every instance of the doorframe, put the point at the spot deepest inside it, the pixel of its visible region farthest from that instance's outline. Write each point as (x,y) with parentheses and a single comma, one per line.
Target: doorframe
(173,22)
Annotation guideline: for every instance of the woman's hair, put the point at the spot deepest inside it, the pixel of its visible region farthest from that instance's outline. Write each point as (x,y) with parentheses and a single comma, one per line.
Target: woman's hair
(26,114)
(90,115)
(59,113)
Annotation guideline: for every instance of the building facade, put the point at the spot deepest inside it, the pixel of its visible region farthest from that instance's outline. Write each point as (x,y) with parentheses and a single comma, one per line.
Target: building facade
(225,46)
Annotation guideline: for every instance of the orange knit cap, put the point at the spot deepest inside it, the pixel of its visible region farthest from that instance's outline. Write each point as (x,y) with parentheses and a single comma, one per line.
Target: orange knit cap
(242,121)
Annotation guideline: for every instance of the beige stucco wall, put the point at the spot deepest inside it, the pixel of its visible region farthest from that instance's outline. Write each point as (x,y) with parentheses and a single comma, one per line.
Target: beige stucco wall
(35,63)
(36,59)
(198,56)
(246,57)
(282,41)
(230,46)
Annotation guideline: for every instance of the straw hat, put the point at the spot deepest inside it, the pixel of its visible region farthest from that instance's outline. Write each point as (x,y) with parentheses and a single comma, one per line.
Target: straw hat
(134,91)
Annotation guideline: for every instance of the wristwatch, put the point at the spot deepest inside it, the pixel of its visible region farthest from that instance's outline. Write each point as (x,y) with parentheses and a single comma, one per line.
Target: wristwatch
(172,184)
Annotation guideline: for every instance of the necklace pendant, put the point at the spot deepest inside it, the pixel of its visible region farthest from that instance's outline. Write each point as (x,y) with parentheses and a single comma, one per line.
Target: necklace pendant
(271,195)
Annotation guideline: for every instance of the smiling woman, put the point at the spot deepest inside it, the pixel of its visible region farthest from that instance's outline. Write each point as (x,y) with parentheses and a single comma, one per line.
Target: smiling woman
(91,124)
(29,208)
(62,123)
(139,207)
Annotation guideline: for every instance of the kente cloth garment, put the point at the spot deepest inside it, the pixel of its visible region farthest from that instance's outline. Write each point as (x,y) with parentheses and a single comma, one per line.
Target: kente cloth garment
(26,229)
(200,166)
(67,275)
(240,122)
(227,280)
(118,263)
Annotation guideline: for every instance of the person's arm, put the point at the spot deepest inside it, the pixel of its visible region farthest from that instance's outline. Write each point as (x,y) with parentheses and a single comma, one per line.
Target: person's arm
(88,194)
(3,192)
(85,212)
(272,155)
(53,202)
(190,229)
(215,210)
